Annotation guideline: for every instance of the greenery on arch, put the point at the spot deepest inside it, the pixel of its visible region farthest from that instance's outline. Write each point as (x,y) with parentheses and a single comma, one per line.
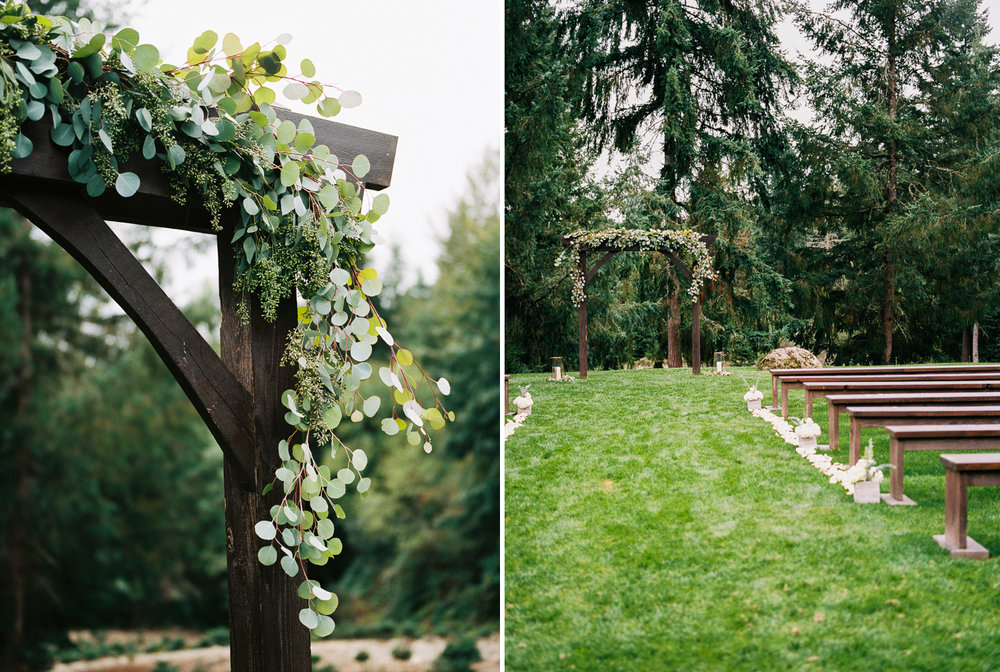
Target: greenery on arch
(683,241)
(303,226)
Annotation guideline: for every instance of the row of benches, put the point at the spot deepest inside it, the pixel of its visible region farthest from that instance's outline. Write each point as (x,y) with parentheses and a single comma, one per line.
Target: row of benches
(942,408)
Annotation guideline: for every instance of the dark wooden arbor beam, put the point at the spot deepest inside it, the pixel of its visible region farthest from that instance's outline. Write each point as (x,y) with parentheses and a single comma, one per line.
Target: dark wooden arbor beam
(610,251)
(221,401)
(152,204)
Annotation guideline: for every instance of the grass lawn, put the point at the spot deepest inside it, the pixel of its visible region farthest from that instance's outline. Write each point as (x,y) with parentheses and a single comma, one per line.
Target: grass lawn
(653,524)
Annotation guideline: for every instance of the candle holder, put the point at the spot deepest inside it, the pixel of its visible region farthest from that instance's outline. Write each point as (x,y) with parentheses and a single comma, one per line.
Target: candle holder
(557,368)
(721,365)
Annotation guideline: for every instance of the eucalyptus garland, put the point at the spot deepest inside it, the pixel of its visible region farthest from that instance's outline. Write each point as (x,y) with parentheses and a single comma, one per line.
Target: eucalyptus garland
(683,241)
(302,226)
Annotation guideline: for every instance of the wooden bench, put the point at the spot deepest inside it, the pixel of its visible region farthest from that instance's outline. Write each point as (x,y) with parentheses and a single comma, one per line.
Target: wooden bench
(932,437)
(880,416)
(797,381)
(776,374)
(962,471)
(838,403)
(816,390)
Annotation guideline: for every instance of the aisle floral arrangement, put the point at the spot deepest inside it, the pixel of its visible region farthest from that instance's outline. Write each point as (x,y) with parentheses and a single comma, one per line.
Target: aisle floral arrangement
(523,404)
(846,476)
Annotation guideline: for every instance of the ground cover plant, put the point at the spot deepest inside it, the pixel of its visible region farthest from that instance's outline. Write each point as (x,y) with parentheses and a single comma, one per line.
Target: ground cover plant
(653,523)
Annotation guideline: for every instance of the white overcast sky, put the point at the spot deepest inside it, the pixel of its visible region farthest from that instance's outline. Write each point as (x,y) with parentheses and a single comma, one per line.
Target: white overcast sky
(430,73)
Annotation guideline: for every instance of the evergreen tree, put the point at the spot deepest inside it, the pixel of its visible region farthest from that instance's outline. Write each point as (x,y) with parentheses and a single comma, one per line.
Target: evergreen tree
(698,87)
(905,95)
(547,194)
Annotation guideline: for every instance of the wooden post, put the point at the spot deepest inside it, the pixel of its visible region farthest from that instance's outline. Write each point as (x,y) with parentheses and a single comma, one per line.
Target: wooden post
(264,630)
(583,318)
(696,338)
(975,342)
(506,395)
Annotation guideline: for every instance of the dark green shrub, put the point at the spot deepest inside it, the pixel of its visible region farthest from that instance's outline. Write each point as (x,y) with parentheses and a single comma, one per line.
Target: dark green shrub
(458,656)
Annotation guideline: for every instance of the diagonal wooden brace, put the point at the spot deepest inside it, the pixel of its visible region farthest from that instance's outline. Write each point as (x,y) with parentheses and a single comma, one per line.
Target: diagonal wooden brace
(221,401)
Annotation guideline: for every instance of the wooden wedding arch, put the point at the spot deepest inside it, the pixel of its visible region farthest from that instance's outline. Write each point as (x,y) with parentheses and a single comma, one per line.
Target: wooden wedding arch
(237,393)
(609,250)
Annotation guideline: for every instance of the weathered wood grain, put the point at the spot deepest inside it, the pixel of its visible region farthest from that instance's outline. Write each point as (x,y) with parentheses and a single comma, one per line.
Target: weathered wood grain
(264,631)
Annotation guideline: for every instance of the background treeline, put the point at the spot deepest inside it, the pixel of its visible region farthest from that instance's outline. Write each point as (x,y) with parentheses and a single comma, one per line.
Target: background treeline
(111,499)
(854,191)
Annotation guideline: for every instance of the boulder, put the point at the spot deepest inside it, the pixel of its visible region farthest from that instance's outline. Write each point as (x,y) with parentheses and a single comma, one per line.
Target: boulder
(789,358)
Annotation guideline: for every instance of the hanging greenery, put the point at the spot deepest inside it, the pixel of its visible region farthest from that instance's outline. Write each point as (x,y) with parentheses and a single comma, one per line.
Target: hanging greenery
(302,226)
(682,241)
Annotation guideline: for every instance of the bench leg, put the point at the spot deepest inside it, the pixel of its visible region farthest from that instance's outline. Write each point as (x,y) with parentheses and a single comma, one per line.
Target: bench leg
(833,427)
(784,401)
(854,442)
(956,509)
(774,391)
(895,495)
(809,405)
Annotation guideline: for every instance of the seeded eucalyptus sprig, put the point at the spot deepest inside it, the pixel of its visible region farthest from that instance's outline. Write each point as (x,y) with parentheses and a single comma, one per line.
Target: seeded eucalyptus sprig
(302,227)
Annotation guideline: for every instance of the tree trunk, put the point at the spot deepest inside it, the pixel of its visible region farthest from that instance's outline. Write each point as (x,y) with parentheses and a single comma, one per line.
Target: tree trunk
(966,344)
(888,307)
(17,536)
(674,322)
(975,342)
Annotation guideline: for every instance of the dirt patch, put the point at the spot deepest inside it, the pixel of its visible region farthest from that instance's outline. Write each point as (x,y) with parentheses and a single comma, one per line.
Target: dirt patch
(342,654)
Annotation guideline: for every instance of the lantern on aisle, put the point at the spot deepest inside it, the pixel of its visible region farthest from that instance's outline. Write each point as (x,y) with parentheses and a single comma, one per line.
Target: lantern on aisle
(721,364)
(557,368)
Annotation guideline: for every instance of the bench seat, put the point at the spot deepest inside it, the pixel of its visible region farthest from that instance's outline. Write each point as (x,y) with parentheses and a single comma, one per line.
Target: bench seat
(933,437)
(880,416)
(838,403)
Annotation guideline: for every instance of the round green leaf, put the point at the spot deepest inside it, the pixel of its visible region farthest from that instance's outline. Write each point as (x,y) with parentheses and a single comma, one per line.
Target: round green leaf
(360,458)
(309,618)
(444,386)
(146,57)
(336,489)
(325,626)
(360,351)
(125,40)
(127,184)
(380,204)
(325,527)
(364,484)
(22,146)
(345,475)
(175,155)
(285,133)
(267,555)
(265,530)
(360,166)
(327,607)
(63,135)
(96,186)
(390,427)
(308,69)
(226,130)
(296,91)
(289,565)
(332,416)
(290,173)
(349,99)
(328,107)
(149,147)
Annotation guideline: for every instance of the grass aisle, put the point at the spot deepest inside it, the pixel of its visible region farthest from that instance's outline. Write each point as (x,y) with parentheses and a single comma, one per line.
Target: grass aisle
(653,524)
